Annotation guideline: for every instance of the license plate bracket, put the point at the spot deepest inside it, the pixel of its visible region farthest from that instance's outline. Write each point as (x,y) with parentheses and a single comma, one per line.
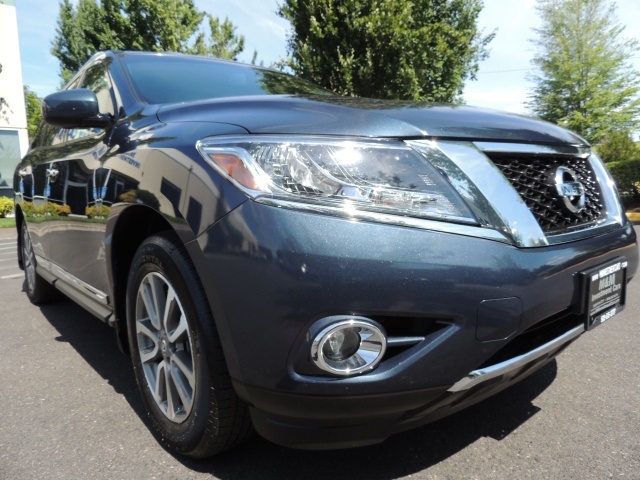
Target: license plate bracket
(604,291)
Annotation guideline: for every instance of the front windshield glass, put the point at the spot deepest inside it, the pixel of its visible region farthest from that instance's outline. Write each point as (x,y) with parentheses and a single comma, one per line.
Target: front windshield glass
(174,78)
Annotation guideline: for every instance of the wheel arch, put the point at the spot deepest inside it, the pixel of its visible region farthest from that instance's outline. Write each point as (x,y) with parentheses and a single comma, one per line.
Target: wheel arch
(127,229)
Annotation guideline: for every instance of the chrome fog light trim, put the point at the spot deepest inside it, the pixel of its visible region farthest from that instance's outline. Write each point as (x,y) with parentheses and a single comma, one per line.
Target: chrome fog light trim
(349,345)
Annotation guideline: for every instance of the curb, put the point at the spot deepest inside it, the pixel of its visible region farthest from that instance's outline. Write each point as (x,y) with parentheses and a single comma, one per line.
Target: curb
(634,217)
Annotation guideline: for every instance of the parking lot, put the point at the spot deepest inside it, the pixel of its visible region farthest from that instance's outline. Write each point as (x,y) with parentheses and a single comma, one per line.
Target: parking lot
(8,264)
(70,410)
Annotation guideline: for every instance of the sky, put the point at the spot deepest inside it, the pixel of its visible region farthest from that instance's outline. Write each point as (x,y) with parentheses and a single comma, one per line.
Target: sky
(502,78)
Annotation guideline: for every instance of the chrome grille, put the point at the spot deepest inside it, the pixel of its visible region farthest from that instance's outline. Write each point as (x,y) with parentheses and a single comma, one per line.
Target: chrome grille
(529,174)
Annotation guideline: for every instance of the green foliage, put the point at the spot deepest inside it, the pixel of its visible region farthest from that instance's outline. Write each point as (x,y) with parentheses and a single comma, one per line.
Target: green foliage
(31,210)
(618,147)
(59,210)
(140,196)
(7,222)
(223,41)
(402,49)
(97,211)
(88,26)
(45,210)
(34,111)
(161,25)
(627,177)
(584,81)
(6,206)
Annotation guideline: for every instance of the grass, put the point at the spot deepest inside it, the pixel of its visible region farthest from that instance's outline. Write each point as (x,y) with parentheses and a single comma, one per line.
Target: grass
(7,222)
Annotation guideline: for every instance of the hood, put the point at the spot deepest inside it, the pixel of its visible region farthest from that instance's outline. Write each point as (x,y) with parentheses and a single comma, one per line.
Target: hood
(282,114)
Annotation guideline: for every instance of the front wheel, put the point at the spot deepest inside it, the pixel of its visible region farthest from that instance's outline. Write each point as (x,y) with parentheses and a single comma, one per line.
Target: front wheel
(177,355)
(38,289)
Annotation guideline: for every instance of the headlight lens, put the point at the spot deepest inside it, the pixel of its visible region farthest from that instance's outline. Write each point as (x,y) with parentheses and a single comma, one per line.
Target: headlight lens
(380,176)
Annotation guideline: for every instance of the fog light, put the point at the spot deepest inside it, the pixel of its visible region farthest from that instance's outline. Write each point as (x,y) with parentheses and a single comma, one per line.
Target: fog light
(349,345)
(341,344)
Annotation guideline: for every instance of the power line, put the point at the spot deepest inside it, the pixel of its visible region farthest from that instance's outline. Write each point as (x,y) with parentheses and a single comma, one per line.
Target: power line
(506,71)
(527,69)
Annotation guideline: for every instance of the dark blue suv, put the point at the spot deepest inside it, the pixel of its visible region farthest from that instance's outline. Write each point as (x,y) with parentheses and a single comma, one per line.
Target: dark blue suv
(326,270)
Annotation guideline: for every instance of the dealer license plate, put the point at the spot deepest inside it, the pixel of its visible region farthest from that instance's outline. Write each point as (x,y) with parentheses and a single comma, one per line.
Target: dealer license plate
(605,288)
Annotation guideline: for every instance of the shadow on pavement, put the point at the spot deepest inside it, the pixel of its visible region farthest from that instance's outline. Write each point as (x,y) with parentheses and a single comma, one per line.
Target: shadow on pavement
(401,455)
(95,341)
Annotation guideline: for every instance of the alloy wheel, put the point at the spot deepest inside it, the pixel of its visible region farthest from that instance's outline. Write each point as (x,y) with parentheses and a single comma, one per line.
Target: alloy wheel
(28,259)
(165,347)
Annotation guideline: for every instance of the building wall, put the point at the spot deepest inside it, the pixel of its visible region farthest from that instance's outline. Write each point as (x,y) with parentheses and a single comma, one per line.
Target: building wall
(14,140)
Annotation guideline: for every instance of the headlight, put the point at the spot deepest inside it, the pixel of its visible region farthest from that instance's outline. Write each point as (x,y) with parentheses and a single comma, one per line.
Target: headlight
(349,175)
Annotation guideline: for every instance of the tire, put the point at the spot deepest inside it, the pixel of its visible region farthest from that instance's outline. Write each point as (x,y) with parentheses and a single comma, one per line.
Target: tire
(38,289)
(177,356)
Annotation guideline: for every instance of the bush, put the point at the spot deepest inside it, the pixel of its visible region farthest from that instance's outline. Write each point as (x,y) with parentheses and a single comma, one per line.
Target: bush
(28,209)
(627,177)
(45,210)
(97,211)
(618,147)
(61,210)
(6,206)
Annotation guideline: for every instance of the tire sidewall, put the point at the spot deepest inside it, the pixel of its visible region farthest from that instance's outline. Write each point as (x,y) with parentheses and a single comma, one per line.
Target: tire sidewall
(24,232)
(42,291)
(155,256)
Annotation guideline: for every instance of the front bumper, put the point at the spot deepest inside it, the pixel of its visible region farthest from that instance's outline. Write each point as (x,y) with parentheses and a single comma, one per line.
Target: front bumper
(271,273)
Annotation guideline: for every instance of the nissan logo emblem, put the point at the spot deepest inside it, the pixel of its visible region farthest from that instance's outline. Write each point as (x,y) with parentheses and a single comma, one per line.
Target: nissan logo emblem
(569,188)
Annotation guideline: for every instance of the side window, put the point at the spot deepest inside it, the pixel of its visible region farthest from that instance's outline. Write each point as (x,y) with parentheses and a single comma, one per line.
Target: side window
(97,80)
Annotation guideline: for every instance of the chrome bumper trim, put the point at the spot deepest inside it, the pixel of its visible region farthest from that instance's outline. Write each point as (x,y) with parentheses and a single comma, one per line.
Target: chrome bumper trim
(482,375)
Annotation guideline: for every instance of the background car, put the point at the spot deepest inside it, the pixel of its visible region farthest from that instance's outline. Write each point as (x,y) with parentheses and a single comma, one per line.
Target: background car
(328,270)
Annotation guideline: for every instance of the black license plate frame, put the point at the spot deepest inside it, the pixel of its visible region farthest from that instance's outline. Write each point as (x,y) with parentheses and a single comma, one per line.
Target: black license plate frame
(604,291)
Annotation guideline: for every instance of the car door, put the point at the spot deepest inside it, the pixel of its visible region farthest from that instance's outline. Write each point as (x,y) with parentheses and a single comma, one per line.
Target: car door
(78,184)
(34,184)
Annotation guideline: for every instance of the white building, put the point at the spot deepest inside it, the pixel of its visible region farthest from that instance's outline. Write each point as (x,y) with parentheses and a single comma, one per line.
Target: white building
(14,140)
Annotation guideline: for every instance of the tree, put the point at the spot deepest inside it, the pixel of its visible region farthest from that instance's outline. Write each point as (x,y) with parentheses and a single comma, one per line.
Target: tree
(583,80)
(223,41)
(618,147)
(34,111)
(406,49)
(152,25)
(161,25)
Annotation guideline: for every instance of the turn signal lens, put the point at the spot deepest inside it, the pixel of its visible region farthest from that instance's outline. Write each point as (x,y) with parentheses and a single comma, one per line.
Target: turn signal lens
(235,168)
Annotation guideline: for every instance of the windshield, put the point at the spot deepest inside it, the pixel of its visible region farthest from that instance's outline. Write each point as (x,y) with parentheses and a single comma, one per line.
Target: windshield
(172,79)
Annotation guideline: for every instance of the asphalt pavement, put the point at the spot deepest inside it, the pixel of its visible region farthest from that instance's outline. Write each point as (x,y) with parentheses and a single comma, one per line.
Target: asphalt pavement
(70,410)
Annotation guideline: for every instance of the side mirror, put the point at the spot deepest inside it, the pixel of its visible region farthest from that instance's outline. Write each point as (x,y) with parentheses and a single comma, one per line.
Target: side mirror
(77,108)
